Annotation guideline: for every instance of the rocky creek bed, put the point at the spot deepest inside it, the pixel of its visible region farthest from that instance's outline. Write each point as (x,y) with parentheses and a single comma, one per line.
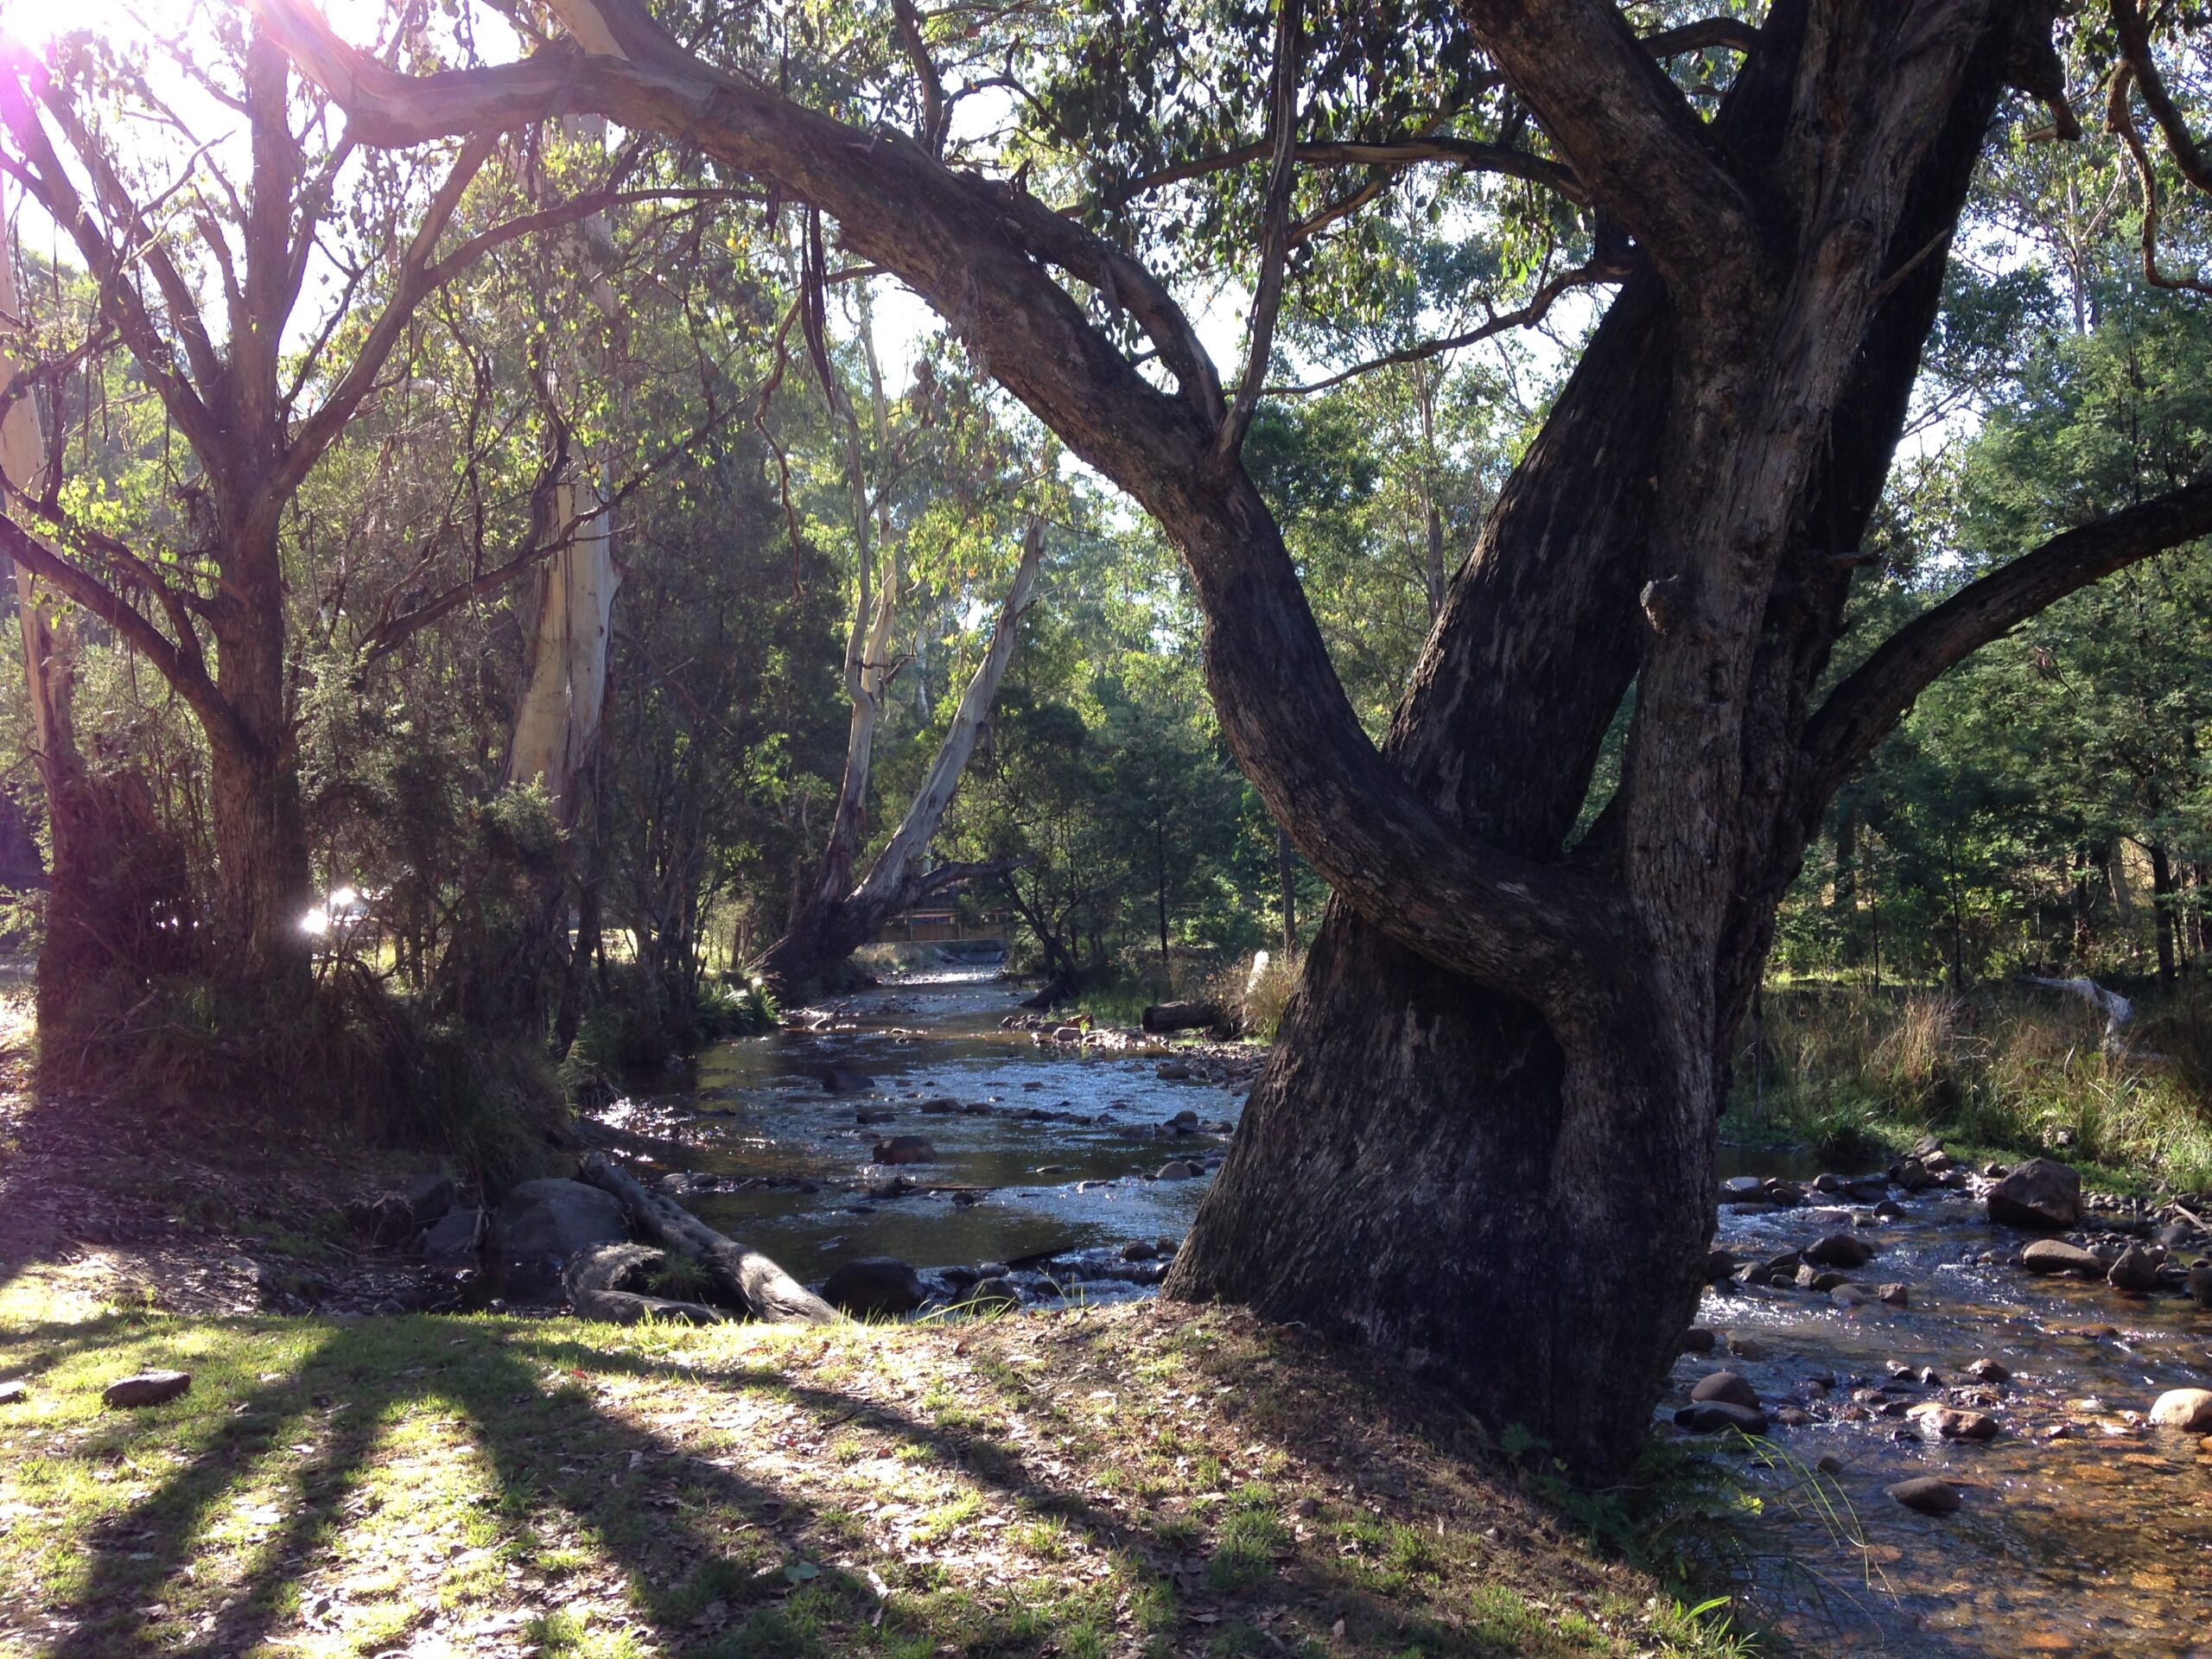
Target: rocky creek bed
(1952,1444)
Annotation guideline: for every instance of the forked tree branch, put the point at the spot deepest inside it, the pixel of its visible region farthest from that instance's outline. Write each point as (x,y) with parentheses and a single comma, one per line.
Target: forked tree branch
(1859,712)
(1628,133)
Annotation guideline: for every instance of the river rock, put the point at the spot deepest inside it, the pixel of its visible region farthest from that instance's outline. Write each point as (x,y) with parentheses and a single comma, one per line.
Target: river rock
(867,1116)
(452,1238)
(1176,1170)
(2188,1408)
(2200,1282)
(1841,1251)
(1718,1416)
(1700,1340)
(1988,1370)
(1848,1295)
(13,1392)
(1728,1386)
(428,1197)
(1140,1249)
(1953,1424)
(146,1388)
(905,1150)
(1927,1495)
(1896,1295)
(2042,1195)
(1867,1189)
(2057,1255)
(942,1106)
(875,1285)
(992,1295)
(843,1080)
(1911,1174)
(557,1218)
(2134,1271)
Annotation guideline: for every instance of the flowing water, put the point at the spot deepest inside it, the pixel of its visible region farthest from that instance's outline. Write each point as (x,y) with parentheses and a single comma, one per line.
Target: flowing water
(1045,1161)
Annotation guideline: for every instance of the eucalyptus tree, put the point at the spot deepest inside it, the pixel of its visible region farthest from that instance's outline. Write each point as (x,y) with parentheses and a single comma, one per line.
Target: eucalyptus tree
(945,486)
(1486,1139)
(201,248)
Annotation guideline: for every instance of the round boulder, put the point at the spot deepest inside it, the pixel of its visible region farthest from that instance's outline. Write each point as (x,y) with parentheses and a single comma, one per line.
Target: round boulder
(1841,1251)
(2188,1408)
(557,1218)
(1719,1416)
(2042,1195)
(1927,1495)
(2057,1255)
(1725,1385)
(875,1285)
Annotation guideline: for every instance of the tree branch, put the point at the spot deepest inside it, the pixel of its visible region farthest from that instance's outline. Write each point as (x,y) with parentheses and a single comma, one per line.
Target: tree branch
(1470,154)
(2135,52)
(1627,131)
(1859,712)
(1274,229)
(1539,302)
(980,252)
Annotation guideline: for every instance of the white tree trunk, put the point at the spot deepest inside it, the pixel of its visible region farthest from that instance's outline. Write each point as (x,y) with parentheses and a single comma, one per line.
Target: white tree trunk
(900,859)
(557,724)
(49,640)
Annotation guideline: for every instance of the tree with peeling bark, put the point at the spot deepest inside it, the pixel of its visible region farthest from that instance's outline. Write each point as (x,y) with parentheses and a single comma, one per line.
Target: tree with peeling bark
(1485,1141)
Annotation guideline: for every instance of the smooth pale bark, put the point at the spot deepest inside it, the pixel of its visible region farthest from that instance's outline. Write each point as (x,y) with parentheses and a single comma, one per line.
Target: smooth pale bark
(556,724)
(841,918)
(71,957)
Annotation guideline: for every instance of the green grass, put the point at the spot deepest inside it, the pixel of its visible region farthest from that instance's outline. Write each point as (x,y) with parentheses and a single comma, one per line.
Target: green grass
(354,1487)
(1858,1078)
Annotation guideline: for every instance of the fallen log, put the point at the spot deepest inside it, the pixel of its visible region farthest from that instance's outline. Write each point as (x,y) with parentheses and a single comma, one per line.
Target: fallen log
(758,1285)
(1184,1016)
(596,1280)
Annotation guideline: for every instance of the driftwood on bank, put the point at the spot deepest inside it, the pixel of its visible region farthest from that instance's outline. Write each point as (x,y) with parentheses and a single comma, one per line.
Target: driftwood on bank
(1184,1016)
(595,1278)
(757,1284)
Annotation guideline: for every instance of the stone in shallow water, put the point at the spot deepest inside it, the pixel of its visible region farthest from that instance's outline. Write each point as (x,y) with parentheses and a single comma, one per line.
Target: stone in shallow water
(1927,1495)
(1725,1385)
(2057,1255)
(1718,1416)
(2186,1409)
(2040,1193)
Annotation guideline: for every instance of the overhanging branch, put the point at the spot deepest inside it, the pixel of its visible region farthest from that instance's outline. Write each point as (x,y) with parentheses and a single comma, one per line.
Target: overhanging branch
(1861,712)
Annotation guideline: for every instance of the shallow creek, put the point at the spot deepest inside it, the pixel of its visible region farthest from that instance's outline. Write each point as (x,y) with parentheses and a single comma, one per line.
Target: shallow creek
(2099,1542)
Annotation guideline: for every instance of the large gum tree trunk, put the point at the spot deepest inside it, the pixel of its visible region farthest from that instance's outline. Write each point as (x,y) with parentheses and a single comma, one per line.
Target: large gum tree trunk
(1487,1144)
(1518,1204)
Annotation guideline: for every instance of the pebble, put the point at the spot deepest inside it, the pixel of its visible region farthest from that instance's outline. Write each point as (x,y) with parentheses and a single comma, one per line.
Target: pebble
(2185,1409)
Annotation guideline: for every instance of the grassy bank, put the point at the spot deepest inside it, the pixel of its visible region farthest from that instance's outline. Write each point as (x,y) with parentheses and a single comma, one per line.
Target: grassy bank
(1103,1482)
(1853,1074)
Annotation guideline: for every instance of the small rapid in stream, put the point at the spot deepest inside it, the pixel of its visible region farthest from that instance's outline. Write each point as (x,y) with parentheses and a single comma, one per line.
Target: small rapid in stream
(2083,1530)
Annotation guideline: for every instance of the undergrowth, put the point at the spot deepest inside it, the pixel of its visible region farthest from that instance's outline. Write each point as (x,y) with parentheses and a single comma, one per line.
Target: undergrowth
(1852,1072)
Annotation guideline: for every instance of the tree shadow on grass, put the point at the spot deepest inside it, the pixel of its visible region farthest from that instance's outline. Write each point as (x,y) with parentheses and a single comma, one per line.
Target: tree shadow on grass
(704,1546)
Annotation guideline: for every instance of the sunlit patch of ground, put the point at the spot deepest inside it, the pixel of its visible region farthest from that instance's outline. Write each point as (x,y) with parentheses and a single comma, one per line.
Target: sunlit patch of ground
(1117,1481)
